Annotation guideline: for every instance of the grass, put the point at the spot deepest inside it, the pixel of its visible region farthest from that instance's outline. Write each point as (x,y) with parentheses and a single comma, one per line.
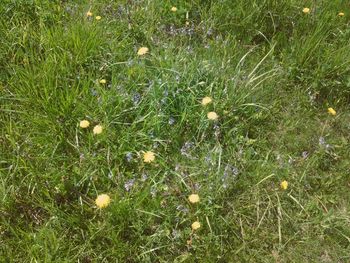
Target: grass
(272,72)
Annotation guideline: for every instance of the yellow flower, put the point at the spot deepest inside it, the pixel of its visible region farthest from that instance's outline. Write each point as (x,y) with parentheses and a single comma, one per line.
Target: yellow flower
(187,23)
(142,51)
(332,111)
(194,198)
(98,18)
(284,185)
(148,157)
(98,129)
(88,14)
(84,124)
(103,81)
(196,225)
(173,9)
(341,14)
(306,10)
(102,201)
(206,101)
(212,116)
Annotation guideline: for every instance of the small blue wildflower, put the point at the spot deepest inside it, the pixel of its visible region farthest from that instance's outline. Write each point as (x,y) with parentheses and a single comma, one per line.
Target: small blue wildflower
(322,141)
(175,234)
(129,157)
(155,145)
(186,148)
(305,154)
(197,186)
(136,98)
(230,173)
(129,184)
(144,177)
(182,209)
(171,120)
(208,159)
(93,92)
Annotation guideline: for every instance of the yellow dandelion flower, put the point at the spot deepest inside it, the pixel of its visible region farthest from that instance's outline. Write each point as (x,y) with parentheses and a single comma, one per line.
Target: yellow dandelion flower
(341,14)
(84,124)
(195,225)
(173,9)
(88,14)
(194,198)
(98,18)
(103,81)
(332,111)
(306,10)
(212,116)
(102,201)
(142,51)
(98,129)
(148,157)
(284,185)
(206,101)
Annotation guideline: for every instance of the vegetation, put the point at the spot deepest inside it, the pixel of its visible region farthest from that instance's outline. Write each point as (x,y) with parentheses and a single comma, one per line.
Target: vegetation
(271,168)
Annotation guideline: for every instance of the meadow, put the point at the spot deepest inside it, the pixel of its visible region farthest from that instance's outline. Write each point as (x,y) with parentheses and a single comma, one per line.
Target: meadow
(174,131)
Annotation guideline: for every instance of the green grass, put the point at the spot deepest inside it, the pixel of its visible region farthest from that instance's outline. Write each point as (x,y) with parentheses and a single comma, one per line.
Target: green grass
(272,72)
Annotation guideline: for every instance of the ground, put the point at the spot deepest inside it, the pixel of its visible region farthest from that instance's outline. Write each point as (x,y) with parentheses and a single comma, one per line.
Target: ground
(270,168)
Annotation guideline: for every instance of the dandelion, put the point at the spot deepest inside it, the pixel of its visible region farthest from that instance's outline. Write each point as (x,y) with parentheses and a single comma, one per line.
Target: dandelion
(103,81)
(212,116)
(194,198)
(306,10)
(142,51)
(284,185)
(195,225)
(98,18)
(332,111)
(84,124)
(341,14)
(89,14)
(173,9)
(206,101)
(98,129)
(148,157)
(102,201)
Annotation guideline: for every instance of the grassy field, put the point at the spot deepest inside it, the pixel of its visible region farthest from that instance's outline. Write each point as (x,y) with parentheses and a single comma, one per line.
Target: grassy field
(278,78)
